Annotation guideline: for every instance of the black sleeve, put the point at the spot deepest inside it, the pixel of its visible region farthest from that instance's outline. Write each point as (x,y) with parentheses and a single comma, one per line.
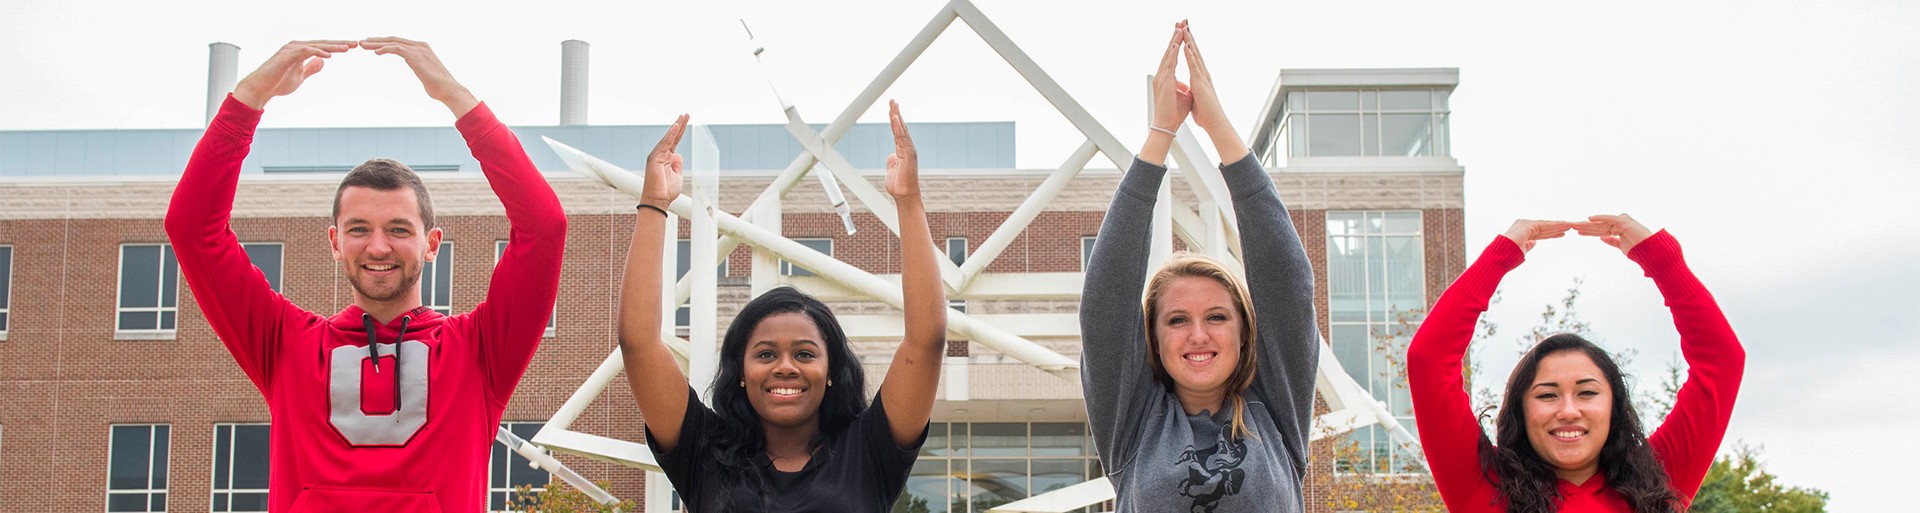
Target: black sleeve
(680,464)
(892,461)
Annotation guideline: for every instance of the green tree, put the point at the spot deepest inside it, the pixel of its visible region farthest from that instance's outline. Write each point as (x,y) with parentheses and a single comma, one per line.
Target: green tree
(1738,483)
(560,497)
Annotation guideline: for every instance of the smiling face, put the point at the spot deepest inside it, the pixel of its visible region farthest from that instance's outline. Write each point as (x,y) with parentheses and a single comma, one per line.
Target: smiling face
(1198,332)
(1569,414)
(785,370)
(380,241)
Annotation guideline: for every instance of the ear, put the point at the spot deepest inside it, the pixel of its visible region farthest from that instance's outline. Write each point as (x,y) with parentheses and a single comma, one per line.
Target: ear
(333,241)
(433,243)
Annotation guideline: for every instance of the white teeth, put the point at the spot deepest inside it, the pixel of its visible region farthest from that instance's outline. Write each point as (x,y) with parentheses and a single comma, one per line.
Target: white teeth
(786,391)
(380,267)
(1567,435)
(1200,357)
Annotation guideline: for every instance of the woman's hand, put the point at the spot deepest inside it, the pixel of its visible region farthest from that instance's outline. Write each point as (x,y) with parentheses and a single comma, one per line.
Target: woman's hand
(1526,232)
(1619,231)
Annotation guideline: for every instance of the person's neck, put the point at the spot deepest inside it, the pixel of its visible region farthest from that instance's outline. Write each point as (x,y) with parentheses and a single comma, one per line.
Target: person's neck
(788,446)
(1196,401)
(1577,476)
(386,311)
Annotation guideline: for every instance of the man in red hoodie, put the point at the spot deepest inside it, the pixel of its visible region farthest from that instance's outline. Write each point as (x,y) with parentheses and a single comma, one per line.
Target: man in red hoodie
(387,405)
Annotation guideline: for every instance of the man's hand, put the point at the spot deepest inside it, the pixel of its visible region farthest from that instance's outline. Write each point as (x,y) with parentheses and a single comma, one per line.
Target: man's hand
(286,70)
(664,168)
(903,166)
(433,75)
(1526,232)
(1619,231)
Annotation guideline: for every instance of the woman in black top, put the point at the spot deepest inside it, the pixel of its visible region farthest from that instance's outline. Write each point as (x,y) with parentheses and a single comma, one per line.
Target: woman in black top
(789,429)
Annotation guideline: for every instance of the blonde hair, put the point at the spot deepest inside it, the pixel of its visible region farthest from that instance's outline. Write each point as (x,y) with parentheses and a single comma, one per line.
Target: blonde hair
(1184,265)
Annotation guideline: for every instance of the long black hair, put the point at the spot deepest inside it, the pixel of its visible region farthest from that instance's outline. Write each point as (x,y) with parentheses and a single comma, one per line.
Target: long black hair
(1527,483)
(739,440)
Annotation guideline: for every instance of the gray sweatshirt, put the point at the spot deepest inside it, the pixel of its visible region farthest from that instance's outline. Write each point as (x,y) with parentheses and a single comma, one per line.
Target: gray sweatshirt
(1159,458)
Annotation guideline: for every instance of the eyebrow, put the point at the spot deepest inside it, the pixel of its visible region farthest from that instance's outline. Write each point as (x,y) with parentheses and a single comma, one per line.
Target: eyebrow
(398,220)
(804,341)
(1557,385)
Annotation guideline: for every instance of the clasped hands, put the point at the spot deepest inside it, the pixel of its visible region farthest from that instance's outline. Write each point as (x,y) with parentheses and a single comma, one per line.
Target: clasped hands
(288,68)
(1620,231)
(1174,100)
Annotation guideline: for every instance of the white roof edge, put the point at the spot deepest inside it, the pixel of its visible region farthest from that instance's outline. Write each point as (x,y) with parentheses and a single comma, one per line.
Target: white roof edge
(1367,77)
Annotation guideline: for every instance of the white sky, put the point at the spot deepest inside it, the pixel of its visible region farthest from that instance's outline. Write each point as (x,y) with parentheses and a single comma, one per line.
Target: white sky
(1776,139)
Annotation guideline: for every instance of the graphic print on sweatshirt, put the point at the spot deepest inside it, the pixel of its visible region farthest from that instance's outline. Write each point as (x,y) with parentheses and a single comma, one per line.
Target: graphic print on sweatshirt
(1213,473)
(371,407)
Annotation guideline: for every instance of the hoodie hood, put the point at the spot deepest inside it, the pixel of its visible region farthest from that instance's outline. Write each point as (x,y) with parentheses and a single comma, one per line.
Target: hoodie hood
(420,318)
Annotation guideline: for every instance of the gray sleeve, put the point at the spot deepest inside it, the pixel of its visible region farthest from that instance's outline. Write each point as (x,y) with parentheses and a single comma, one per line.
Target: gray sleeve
(1113,367)
(1280,279)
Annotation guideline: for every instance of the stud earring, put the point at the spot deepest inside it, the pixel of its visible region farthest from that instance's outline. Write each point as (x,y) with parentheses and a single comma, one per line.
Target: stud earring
(743,384)
(829,382)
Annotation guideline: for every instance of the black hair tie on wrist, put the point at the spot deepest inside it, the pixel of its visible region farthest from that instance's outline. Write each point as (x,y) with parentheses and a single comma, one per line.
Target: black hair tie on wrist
(662,211)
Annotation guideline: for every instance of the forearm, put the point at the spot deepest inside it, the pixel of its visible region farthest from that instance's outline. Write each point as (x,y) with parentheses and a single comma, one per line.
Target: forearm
(530,203)
(1450,434)
(1226,141)
(657,382)
(915,372)
(1158,144)
(1716,362)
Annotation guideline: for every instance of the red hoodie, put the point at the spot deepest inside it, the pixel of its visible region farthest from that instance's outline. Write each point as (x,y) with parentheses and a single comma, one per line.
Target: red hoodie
(347,436)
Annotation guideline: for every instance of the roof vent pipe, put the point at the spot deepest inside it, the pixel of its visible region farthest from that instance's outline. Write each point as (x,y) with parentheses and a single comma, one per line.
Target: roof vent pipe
(573,82)
(223,63)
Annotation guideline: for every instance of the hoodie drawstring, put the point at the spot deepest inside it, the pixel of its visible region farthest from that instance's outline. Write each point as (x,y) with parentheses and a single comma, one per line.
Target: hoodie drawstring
(373,349)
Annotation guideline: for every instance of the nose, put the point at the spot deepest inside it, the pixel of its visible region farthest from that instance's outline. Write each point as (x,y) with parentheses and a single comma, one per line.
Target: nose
(379,245)
(1566,411)
(785,368)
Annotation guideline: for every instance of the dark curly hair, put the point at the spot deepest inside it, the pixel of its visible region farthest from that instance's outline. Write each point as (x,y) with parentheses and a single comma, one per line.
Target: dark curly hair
(1527,483)
(739,439)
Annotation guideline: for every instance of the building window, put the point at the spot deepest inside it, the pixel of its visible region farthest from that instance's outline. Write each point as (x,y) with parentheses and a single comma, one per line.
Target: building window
(436,281)
(6,288)
(137,468)
(683,261)
(149,288)
(957,251)
(973,467)
(1376,289)
(1365,123)
(499,249)
(240,467)
(510,470)
(824,246)
(267,256)
(1086,250)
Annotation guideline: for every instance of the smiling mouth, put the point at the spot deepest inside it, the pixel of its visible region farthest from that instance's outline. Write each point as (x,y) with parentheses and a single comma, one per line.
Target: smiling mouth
(785,392)
(1199,357)
(1569,434)
(380,267)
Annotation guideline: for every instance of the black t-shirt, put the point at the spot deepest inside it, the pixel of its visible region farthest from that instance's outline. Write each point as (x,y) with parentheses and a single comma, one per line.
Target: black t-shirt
(859,469)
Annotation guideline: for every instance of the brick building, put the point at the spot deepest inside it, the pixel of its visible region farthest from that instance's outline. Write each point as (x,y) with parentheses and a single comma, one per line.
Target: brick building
(116,396)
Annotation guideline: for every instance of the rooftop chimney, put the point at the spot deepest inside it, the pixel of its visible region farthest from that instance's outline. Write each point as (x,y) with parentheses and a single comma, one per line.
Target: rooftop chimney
(573,82)
(223,63)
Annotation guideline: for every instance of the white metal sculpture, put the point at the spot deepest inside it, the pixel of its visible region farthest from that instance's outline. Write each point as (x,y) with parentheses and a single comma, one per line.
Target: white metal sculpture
(1207,226)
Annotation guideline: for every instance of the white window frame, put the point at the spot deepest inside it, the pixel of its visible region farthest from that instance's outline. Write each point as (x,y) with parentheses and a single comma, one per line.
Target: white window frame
(151,451)
(279,273)
(214,490)
(683,253)
(788,269)
(1297,121)
(511,466)
(1086,250)
(6,300)
(553,320)
(120,288)
(1393,464)
(958,258)
(427,283)
(959,459)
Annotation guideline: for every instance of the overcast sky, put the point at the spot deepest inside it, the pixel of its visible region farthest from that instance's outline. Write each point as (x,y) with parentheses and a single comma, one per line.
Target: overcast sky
(1776,139)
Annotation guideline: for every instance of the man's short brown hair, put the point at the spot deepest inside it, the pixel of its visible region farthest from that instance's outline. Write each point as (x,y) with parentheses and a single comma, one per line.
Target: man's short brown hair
(386,175)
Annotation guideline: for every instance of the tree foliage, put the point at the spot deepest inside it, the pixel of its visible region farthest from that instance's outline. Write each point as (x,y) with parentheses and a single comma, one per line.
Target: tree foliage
(560,497)
(1738,483)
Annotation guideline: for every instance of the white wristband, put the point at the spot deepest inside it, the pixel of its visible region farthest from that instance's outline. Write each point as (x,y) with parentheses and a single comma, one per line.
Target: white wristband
(1158,129)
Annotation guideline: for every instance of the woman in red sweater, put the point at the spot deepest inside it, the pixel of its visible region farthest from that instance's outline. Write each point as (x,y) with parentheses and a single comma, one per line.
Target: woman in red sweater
(1568,438)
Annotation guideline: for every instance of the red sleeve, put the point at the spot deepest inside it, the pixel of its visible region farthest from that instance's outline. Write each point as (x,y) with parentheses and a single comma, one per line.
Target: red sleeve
(244,310)
(1449,433)
(509,323)
(1687,441)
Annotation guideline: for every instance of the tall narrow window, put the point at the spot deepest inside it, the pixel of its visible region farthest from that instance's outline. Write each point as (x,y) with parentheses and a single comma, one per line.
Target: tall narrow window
(240,467)
(267,257)
(436,281)
(6,288)
(510,470)
(149,288)
(824,246)
(957,251)
(500,249)
(1376,287)
(683,261)
(1086,250)
(137,468)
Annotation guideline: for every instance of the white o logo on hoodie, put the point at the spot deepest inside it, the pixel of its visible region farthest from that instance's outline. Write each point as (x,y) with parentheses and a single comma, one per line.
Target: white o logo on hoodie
(343,394)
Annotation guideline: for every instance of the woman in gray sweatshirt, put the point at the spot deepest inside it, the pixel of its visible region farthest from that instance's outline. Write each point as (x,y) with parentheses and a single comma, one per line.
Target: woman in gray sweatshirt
(1196,404)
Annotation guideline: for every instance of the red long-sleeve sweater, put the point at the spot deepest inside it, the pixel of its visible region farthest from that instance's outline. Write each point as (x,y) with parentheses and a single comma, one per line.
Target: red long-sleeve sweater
(1685,444)
(348,436)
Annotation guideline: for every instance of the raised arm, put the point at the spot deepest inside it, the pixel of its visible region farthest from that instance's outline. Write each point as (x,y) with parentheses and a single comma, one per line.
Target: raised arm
(1207,111)
(1114,376)
(242,308)
(915,373)
(510,321)
(658,385)
(1687,441)
(1449,433)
